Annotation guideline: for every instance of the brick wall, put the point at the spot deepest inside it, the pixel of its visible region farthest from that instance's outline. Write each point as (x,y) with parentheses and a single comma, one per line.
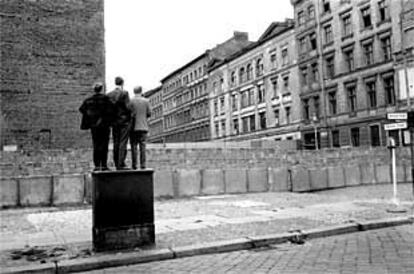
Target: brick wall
(51,53)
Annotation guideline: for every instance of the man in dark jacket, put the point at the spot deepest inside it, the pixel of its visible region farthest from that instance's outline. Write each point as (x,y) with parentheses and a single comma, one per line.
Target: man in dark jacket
(97,112)
(122,122)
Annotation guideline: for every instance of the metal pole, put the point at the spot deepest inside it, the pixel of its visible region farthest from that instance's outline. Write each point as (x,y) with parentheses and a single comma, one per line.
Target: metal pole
(393,171)
(412,156)
(316,136)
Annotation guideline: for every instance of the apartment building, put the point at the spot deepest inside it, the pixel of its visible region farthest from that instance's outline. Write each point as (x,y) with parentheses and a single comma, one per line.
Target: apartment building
(253,93)
(185,95)
(156,121)
(348,83)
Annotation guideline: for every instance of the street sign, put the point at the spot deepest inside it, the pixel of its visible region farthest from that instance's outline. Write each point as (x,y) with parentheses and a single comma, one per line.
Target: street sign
(397,116)
(394,126)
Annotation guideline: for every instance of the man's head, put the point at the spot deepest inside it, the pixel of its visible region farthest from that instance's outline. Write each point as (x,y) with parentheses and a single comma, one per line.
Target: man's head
(98,87)
(119,81)
(138,90)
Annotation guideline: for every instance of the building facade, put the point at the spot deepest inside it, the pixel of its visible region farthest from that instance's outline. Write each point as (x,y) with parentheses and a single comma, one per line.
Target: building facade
(253,93)
(348,83)
(156,120)
(51,53)
(185,95)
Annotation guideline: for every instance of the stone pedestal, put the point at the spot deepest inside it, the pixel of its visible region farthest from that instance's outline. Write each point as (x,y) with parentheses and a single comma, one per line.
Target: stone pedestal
(123,209)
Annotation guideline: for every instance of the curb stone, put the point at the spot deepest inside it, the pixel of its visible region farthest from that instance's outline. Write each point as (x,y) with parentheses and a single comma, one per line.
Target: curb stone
(122,259)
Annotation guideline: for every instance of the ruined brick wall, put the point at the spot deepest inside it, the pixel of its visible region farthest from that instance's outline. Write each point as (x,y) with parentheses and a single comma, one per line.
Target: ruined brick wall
(51,52)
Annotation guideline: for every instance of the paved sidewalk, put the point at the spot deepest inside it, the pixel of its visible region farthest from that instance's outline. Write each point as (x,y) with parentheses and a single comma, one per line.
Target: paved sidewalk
(199,220)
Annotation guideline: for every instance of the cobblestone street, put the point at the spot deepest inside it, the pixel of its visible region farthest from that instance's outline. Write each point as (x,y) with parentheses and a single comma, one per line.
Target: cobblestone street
(389,250)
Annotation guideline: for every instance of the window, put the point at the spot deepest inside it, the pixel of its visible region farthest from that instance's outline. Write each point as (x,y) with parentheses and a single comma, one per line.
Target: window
(234,102)
(335,138)
(355,136)
(375,136)
(222,104)
(276,113)
(332,102)
(305,106)
(349,59)
(261,94)
(252,121)
(366,17)
(245,123)
(262,117)
(217,129)
(244,102)
(313,42)
(302,45)
(235,126)
(287,112)
(259,67)
(330,67)
(326,6)
(304,75)
(241,75)
(301,18)
(273,59)
(383,11)
(371,94)
(249,72)
(316,107)
(286,82)
(315,72)
(311,12)
(395,134)
(328,33)
(251,96)
(386,48)
(368,53)
(352,100)
(347,25)
(275,87)
(223,128)
(284,57)
(233,78)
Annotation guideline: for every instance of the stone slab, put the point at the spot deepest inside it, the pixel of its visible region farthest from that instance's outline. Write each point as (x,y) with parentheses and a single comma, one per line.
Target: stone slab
(35,190)
(383,173)
(68,189)
(235,180)
(212,181)
(9,195)
(188,182)
(352,175)
(163,184)
(279,179)
(368,174)
(336,177)
(257,180)
(318,178)
(300,180)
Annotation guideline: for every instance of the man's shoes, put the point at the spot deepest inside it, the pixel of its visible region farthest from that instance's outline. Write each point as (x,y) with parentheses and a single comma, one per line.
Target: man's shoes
(134,167)
(97,169)
(106,169)
(142,167)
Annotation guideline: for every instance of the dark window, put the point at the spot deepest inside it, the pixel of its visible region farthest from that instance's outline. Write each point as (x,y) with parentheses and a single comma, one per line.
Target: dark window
(304,73)
(326,6)
(235,126)
(245,122)
(252,123)
(383,11)
(287,111)
(335,138)
(221,104)
(328,34)
(259,67)
(375,136)
(330,67)
(249,72)
(372,95)
(347,25)
(251,96)
(332,102)
(315,72)
(284,57)
(215,108)
(261,93)
(313,42)
(275,87)
(355,137)
(234,102)
(368,53)
(305,105)
(276,112)
(389,90)
(349,59)
(316,106)
(286,82)
(262,117)
(366,17)
(223,128)
(216,127)
(311,12)
(352,100)
(386,48)
(301,18)
(233,78)
(241,75)
(395,134)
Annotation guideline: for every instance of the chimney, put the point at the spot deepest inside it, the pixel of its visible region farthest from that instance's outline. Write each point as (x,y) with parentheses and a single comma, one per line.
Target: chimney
(240,36)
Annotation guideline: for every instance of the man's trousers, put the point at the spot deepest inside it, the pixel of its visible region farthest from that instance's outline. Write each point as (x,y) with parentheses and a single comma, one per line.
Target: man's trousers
(120,135)
(100,140)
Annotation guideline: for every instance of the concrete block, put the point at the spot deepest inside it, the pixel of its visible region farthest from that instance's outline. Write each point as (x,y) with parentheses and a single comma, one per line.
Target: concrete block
(368,174)
(212,181)
(189,182)
(318,178)
(257,180)
(352,175)
(235,180)
(35,190)
(163,184)
(279,179)
(300,180)
(68,189)
(336,177)
(383,173)
(9,195)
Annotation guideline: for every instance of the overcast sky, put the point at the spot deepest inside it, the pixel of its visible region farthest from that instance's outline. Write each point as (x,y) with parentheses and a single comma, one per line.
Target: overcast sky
(147,40)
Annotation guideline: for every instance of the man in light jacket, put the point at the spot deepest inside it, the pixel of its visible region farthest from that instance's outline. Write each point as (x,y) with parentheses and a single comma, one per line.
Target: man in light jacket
(141,110)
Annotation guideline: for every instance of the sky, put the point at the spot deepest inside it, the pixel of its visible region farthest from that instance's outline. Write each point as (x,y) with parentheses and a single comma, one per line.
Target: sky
(147,40)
